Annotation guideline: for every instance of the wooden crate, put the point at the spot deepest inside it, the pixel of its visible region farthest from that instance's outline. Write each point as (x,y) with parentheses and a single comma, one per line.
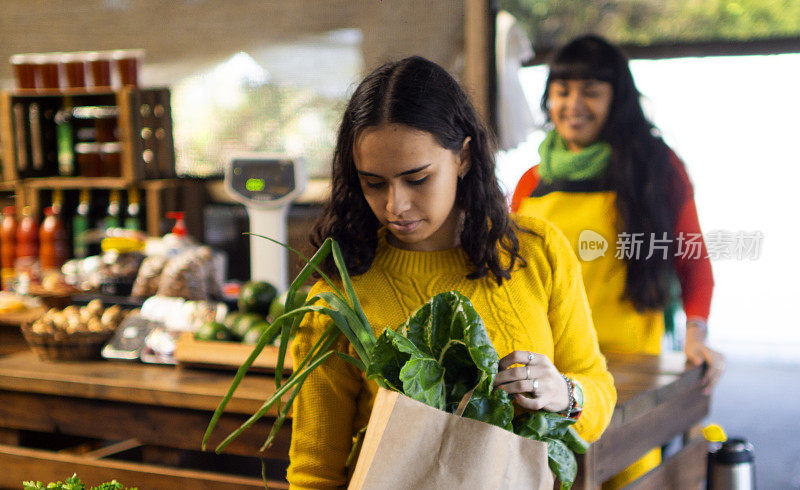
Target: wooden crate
(144,124)
(225,355)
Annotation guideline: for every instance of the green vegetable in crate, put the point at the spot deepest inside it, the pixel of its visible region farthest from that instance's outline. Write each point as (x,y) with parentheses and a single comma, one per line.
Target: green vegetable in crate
(243,323)
(256,297)
(213,331)
(277,307)
(438,355)
(230,319)
(254,334)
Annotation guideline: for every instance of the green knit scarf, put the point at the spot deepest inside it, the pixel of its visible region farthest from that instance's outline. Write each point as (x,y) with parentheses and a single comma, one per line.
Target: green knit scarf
(559,163)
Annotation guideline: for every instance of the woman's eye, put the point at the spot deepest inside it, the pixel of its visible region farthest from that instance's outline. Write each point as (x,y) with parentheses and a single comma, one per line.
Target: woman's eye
(418,181)
(374,185)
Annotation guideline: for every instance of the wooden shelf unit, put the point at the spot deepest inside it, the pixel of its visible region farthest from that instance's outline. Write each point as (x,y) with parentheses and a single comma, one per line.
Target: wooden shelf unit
(144,124)
(158,196)
(144,132)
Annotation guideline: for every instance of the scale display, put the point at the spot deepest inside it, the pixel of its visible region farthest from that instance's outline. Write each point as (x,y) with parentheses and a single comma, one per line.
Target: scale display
(262,179)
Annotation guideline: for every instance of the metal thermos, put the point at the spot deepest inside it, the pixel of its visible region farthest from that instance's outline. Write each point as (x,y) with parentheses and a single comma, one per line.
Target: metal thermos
(731,466)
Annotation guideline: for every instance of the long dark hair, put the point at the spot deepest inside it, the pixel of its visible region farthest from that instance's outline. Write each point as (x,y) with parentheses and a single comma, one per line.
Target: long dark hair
(420,94)
(647,183)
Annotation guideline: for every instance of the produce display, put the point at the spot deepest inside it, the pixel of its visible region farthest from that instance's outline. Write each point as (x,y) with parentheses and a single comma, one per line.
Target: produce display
(258,307)
(146,283)
(74,320)
(436,357)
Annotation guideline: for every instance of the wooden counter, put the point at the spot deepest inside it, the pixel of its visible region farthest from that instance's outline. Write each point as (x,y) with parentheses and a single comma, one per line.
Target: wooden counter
(148,405)
(659,398)
(161,406)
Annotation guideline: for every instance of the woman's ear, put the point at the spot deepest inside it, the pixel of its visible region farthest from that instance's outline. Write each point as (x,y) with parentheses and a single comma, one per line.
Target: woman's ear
(464,158)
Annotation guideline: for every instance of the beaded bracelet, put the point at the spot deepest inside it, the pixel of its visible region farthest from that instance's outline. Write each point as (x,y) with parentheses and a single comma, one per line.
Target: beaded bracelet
(571,394)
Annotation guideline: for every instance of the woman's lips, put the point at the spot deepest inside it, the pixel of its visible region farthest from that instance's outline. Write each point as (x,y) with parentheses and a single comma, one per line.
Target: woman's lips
(404,226)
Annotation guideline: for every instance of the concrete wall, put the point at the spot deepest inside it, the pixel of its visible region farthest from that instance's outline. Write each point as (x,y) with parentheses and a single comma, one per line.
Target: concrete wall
(197,30)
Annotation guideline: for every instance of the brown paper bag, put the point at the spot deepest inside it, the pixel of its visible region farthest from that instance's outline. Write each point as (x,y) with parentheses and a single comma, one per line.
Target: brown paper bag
(409,445)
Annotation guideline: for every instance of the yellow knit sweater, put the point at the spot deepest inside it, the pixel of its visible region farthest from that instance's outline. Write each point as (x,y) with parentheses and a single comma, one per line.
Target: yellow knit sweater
(542,309)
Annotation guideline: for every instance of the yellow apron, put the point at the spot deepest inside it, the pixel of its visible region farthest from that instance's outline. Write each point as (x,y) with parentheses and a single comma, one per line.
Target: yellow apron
(588,220)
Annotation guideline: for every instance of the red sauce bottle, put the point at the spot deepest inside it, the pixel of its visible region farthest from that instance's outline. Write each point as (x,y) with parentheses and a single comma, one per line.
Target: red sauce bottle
(52,241)
(27,237)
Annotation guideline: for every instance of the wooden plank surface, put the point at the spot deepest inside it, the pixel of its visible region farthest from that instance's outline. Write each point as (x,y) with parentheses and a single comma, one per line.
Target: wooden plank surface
(665,363)
(155,385)
(640,385)
(226,355)
(157,426)
(622,445)
(21,464)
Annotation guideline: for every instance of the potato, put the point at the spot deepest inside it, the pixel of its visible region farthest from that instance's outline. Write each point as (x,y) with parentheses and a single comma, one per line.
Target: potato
(71,310)
(95,306)
(86,314)
(112,316)
(59,319)
(95,325)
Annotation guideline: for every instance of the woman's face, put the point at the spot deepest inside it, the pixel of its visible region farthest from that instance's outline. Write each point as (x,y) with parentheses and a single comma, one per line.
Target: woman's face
(579,109)
(409,181)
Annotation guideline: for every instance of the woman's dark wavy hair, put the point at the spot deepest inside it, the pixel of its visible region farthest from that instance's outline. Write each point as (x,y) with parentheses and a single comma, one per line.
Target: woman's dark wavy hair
(419,94)
(647,183)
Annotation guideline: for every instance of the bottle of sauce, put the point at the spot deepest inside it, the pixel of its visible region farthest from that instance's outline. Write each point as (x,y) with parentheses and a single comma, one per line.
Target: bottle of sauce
(52,241)
(8,246)
(27,241)
(80,225)
(112,217)
(132,216)
(65,139)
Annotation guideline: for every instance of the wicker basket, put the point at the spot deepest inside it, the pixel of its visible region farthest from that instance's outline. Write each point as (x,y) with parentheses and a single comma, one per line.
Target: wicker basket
(78,346)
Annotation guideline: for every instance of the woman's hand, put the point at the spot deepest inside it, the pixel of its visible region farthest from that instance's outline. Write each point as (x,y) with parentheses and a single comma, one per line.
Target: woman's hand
(697,352)
(535,385)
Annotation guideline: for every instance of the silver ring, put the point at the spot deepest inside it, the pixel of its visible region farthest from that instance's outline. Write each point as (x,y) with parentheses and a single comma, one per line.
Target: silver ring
(535,385)
(528,372)
(530,357)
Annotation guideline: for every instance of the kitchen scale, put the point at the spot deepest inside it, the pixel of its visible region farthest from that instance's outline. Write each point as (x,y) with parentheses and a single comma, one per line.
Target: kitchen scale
(266,185)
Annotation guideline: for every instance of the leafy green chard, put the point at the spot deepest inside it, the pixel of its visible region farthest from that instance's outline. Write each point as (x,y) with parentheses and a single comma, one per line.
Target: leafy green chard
(72,483)
(438,356)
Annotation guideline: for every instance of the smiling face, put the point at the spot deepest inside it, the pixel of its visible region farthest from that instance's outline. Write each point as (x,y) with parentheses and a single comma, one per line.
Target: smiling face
(409,181)
(579,109)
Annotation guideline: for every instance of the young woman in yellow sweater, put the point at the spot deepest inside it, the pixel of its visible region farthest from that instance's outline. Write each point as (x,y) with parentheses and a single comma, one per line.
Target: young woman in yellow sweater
(417,211)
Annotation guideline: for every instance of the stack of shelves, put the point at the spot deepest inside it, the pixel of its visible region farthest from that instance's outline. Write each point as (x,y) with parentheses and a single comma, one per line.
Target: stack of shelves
(38,158)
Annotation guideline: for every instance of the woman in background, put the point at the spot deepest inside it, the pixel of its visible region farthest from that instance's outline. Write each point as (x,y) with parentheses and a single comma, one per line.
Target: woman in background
(623,198)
